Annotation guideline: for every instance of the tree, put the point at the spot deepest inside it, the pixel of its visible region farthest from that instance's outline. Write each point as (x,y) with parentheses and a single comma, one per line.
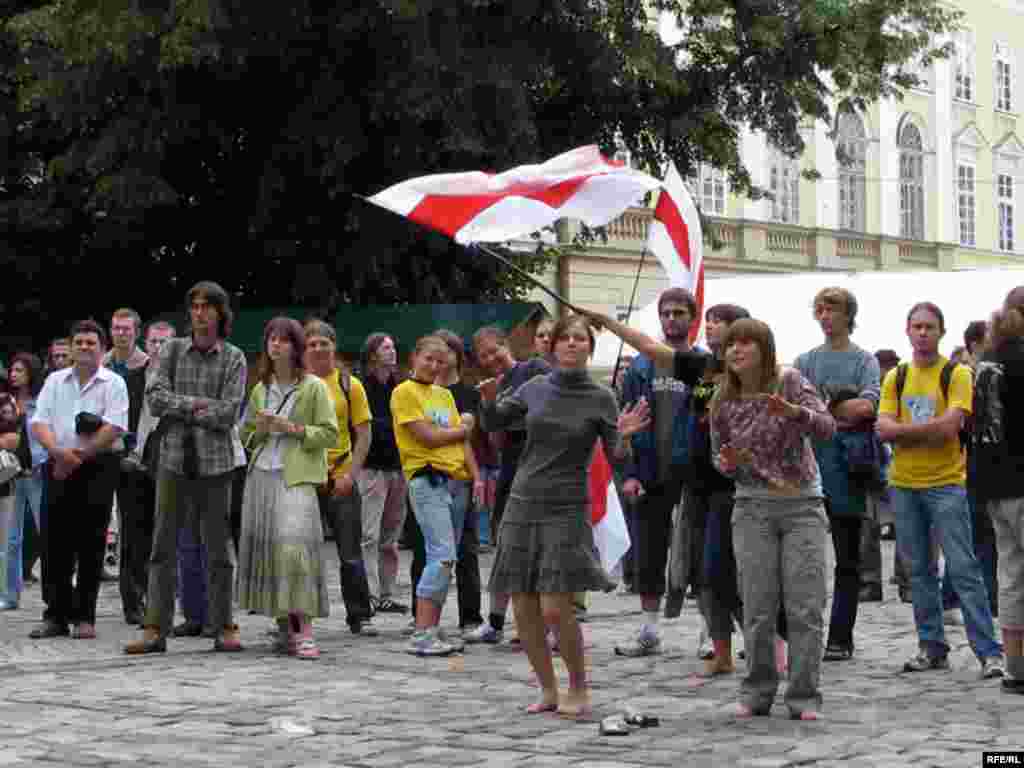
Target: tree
(175,140)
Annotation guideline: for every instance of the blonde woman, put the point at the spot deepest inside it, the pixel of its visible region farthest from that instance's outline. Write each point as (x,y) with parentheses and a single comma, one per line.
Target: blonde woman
(762,420)
(546,550)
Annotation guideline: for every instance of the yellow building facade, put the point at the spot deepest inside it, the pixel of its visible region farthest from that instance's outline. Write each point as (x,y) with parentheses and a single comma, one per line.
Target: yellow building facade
(935,181)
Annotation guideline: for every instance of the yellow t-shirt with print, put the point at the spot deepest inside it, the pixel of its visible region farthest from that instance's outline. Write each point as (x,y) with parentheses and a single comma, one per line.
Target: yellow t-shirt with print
(927,466)
(360,415)
(412,401)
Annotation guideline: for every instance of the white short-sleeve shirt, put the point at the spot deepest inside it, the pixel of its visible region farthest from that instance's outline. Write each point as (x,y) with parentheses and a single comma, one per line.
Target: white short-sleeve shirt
(63,398)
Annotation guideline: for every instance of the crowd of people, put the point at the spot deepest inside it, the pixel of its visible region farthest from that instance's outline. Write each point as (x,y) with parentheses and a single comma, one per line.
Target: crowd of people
(735,467)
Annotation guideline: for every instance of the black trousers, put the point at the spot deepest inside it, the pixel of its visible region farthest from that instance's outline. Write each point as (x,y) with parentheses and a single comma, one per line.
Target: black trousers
(654,535)
(346,518)
(846,535)
(136,508)
(467,567)
(78,513)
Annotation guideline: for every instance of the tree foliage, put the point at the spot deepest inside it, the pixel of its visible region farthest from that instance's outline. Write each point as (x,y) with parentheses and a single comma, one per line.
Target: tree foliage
(145,144)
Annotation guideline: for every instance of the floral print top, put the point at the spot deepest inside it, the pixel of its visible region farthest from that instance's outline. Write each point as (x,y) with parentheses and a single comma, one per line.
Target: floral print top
(776,457)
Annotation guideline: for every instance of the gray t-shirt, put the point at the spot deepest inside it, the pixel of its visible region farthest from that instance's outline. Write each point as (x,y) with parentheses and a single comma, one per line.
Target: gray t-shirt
(831,372)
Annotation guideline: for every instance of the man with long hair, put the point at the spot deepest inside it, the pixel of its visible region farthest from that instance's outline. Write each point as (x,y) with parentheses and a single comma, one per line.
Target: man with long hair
(197,392)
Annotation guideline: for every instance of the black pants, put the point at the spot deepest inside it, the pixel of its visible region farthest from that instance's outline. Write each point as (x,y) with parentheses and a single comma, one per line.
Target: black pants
(846,535)
(467,567)
(136,507)
(654,534)
(78,513)
(237,496)
(725,605)
(345,515)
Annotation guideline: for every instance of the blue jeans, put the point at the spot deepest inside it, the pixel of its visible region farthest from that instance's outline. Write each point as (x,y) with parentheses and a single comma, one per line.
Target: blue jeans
(945,509)
(28,493)
(440,509)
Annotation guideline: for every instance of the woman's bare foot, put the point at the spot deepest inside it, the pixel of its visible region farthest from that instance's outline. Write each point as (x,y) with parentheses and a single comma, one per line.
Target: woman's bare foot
(575,703)
(808,715)
(740,711)
(548,703)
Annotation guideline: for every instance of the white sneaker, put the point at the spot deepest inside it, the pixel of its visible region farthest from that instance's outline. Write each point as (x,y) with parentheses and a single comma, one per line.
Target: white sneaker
(705,650)
(951,617)
(485,633)
(428,644)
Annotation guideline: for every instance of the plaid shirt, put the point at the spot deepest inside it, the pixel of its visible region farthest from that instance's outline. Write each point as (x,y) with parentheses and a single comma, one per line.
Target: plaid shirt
(217,376)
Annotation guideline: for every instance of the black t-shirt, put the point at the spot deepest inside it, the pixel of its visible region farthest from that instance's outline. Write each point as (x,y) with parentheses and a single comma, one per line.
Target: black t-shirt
(467,399)
(698,370)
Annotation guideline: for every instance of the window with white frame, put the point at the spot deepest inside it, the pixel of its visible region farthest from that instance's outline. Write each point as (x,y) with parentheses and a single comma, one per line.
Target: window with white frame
(851,152)
(1004,189)
(784,184)
(708,185)
(963,66)
(965,202)
(911,147)
(1005,70)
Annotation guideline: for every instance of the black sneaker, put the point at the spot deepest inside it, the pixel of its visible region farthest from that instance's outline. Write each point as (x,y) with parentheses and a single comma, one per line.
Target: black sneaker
(387,605)
(922,662)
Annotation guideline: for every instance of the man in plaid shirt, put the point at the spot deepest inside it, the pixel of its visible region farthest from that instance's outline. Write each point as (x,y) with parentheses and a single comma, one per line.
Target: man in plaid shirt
(199,400)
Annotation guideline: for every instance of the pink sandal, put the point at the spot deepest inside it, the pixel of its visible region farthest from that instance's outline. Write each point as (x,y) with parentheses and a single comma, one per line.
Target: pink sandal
(307,649)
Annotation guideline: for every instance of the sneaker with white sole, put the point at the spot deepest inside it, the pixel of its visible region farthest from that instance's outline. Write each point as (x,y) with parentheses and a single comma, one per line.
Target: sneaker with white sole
(485,633)
(646,643)
(428,644)
(705,650)
(457,643)
(992,667)
(923,662)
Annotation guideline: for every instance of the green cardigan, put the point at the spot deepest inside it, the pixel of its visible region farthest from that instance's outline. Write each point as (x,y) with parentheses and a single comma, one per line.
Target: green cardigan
(305,457)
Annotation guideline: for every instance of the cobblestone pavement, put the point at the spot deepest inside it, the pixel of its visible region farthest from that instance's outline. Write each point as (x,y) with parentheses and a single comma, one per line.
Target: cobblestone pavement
(367,703)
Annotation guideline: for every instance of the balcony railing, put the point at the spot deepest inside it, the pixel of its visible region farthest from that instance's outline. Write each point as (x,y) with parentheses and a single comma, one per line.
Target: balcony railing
(773,246)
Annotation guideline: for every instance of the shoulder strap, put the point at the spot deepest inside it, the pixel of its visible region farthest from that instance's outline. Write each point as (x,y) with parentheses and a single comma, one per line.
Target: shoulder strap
(347,392)
(901,382)
(946,378)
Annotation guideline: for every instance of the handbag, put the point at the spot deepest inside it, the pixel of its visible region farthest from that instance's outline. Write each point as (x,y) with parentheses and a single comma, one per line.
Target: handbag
(10,467)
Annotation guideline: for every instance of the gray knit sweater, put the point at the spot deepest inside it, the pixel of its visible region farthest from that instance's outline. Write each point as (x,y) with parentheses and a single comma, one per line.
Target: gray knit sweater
(565,413)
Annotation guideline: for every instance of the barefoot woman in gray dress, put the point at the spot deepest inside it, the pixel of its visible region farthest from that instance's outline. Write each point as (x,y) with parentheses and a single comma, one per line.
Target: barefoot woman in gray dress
(546,546)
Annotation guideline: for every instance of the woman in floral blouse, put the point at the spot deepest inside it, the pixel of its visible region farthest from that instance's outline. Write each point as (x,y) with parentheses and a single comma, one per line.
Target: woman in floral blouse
(762,419)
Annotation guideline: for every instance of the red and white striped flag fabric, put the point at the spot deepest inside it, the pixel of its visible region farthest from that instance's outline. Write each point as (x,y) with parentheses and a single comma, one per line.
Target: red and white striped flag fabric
(478,207)
(611,535)
(675,237)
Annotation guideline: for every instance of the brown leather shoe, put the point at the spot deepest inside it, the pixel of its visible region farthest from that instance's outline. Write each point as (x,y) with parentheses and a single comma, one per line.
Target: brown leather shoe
(151,642)
(230,639)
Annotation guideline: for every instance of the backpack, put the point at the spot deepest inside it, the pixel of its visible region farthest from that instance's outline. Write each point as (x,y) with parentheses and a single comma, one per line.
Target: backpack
(988,432)
(945,379)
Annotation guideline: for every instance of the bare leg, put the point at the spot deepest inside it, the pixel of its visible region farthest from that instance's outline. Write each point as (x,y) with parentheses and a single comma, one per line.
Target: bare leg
(531,633)
(428,613)
(558,610)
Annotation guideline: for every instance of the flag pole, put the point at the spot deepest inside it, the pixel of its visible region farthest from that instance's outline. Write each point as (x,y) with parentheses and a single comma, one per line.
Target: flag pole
(629,311)
(528,277)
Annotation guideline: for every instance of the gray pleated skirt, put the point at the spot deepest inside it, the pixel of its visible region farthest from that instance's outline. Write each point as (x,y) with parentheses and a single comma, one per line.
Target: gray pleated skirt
(548,555)
(280,564)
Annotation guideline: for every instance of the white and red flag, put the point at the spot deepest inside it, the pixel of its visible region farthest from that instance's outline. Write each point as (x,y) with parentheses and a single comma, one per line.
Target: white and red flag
(478,207)
(676,239)
(611,535)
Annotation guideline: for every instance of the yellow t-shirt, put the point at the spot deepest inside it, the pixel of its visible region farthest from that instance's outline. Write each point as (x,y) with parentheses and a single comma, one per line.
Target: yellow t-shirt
(412,401)
(927,466)
(360,415)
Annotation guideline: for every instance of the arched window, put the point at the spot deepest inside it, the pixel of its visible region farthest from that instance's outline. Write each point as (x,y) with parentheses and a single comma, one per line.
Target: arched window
(911,181)
(851,152)
(784,184)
